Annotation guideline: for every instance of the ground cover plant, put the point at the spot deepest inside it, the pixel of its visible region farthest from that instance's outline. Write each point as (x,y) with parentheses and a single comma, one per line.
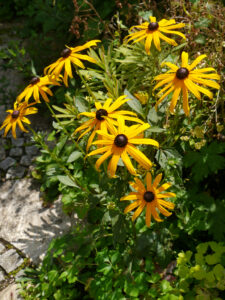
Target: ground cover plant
(138,156)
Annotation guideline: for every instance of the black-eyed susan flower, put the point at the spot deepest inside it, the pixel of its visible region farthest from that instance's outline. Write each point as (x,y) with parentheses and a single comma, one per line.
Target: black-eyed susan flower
(16,116)
(70,55)
(153,31)
(120,142)
(103,115)
(150,198)
(184,78)
(38,87)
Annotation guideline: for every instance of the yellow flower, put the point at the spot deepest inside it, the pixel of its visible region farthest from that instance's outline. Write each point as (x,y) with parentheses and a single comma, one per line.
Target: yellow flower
(119,143)
(153,31)
(103,116)
(37,87)
(16,116)
(184,78)
(142,97)
(69,55)
(150,198)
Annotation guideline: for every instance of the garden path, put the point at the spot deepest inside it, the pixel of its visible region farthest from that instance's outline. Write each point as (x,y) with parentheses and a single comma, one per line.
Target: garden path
(26,227)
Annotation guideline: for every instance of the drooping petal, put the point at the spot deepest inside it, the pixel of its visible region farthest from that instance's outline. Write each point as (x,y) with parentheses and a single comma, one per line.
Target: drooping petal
(174,99)
(156,40)
(138,211)
(186,107)
(132,206)
(112,166)
(189,84)
(128,163)
(167,204)
(148,43)
(154,213)
(148,215)
(168,40)
(139,157)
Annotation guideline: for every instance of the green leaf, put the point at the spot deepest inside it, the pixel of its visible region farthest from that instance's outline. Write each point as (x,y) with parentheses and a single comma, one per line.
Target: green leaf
(202,248)
(130,289)
(67,181)
(206,161)
(219,272)
(80,104)
(134,103)
(146,14)
(165,286)
(74,156)
(52,275)
(60,144)
(200,39)
(203,22)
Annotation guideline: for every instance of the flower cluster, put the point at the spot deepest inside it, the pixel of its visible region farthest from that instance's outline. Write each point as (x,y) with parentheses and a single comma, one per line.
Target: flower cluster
(39,86)
(108,125)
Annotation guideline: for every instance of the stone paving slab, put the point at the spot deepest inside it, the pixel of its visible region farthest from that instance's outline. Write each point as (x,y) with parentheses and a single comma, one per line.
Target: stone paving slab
(25,223)
(10,260)
(10,293)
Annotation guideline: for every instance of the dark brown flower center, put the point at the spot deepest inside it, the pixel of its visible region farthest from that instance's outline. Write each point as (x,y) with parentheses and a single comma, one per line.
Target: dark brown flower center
(149,196)
(15,114)
(100,113)
(153,26)
(65,53)
(34,80)
(121,140)
(182,73)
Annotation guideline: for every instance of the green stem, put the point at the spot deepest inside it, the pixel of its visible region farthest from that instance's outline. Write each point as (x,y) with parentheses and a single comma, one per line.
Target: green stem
(86,85)
(40,141)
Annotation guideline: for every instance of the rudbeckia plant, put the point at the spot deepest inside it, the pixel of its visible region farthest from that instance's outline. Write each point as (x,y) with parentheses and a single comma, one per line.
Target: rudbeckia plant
(119,142)
(150,197)
(17,116)
(114,128)
(70,56)
(104,116)
(186,78)
(153,31)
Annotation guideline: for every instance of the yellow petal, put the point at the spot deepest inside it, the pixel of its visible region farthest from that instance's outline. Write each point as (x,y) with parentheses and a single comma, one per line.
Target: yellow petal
(167,204)
(157,180)
(144,142)
(154,213)
(113,164)
(190,85)
(131,206)
(149,181)
(156,40)
(138,211)
(197,61)
(174,99)
(184,58)
(148,215)
(128,163)
(148,43)
(168,40)
(139,157)
(186,107)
